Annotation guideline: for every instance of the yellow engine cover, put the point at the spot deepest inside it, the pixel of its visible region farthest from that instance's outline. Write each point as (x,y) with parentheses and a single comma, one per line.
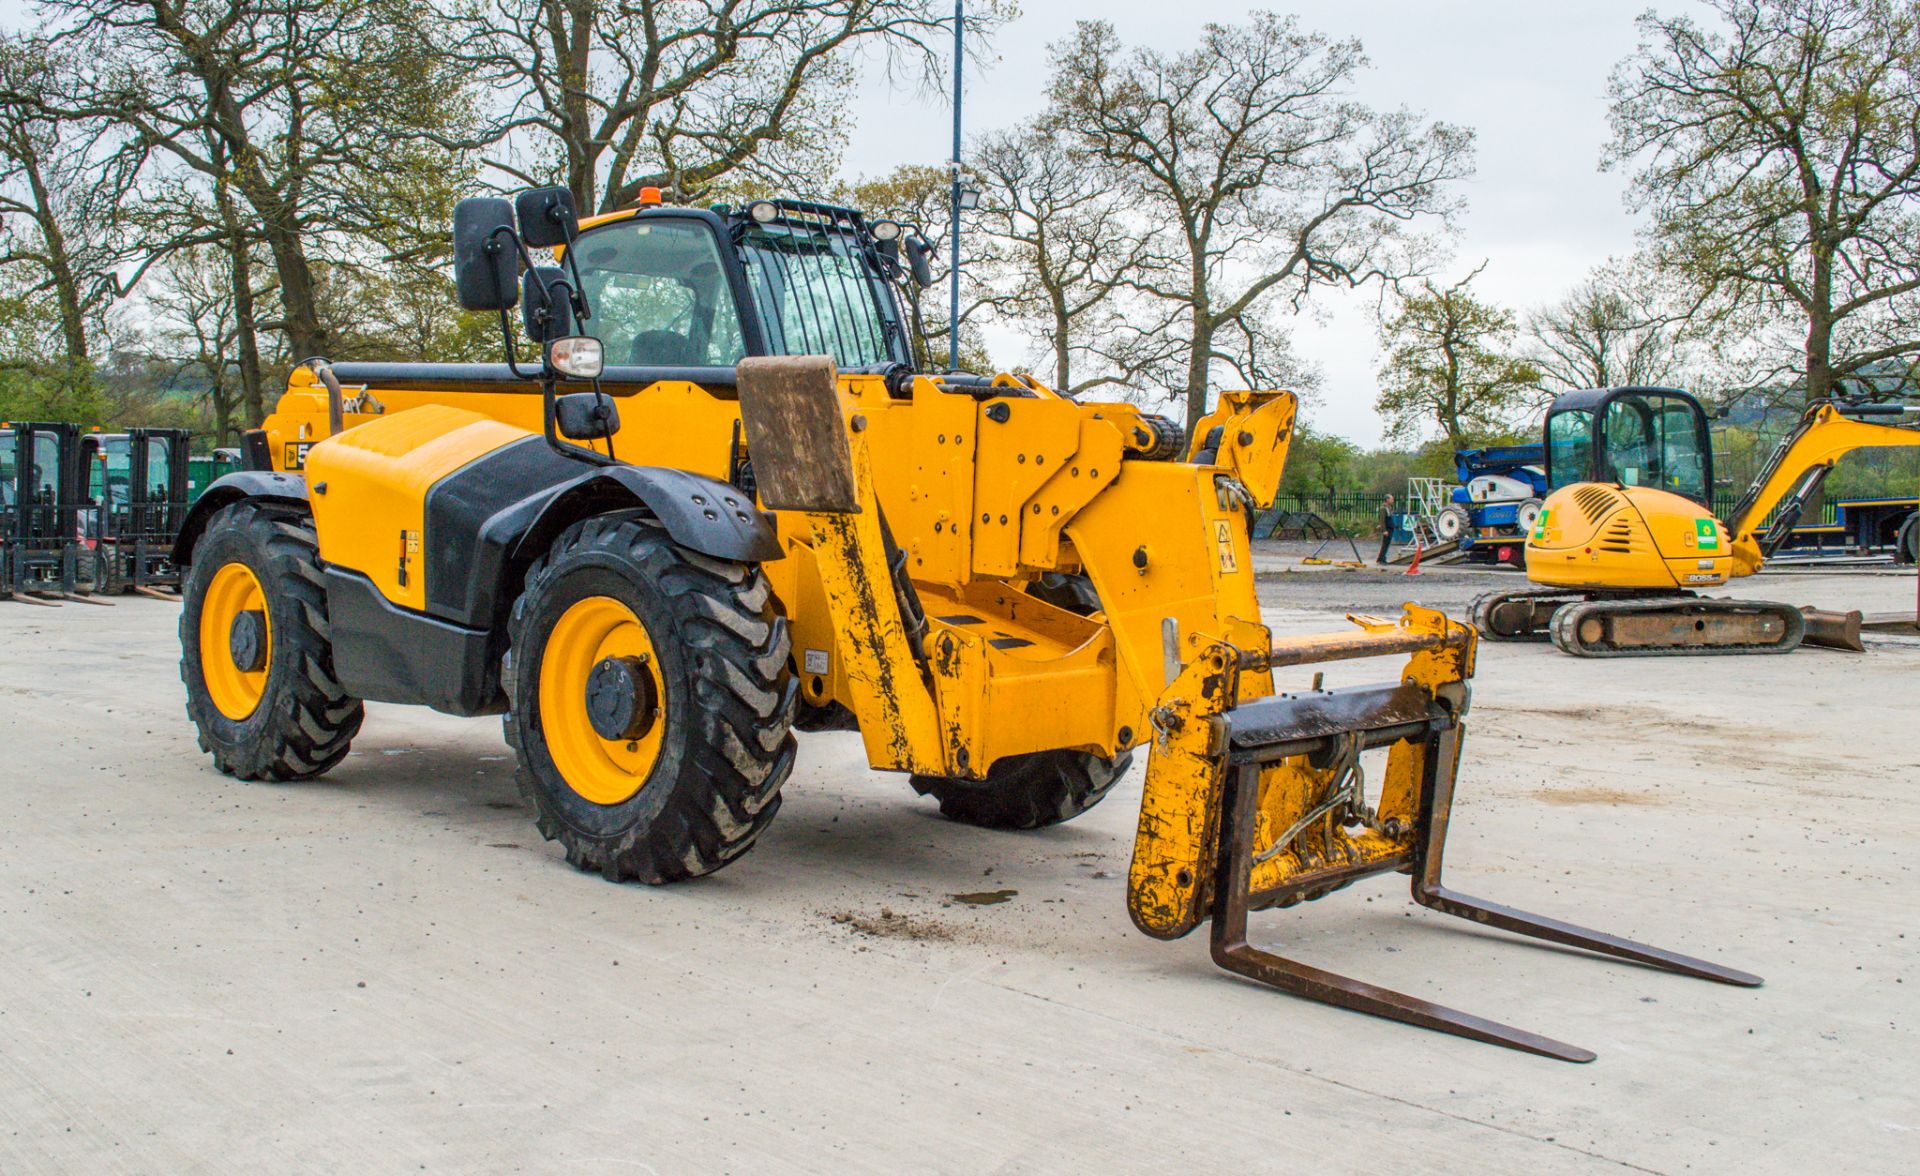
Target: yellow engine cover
(368,487)
(1597,536)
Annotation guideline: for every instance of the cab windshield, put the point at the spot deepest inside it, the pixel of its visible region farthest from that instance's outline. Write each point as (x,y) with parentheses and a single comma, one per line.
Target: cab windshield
(113,472)
(159,469)
(815,293)
(1658,441)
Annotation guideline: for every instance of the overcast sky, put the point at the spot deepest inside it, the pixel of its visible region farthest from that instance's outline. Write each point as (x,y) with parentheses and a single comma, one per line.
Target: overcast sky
(1529,78)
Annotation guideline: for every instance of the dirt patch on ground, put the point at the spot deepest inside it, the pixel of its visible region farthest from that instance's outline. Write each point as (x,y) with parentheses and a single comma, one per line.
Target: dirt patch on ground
(1596,795)
(890,924)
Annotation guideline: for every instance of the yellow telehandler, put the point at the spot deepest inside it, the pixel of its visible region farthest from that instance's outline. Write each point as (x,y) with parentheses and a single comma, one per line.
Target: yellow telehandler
(656,567)
(1626,537)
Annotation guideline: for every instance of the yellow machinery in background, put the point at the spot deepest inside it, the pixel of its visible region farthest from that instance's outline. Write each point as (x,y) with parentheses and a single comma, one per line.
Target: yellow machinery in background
(1626,538)
(759,517)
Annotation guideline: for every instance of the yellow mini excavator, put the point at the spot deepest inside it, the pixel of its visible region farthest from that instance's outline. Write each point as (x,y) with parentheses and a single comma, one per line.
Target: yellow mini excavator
(716,502)
(1626,536)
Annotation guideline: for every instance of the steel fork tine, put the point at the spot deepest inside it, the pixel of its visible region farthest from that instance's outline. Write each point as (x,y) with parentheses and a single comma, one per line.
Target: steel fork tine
(1507,918)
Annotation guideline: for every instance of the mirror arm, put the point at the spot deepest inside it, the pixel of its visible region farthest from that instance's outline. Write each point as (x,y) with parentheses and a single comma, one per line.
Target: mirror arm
(581,311)
(506,337)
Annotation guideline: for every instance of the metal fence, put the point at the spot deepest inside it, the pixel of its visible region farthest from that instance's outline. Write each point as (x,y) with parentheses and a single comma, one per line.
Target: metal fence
(1353,514)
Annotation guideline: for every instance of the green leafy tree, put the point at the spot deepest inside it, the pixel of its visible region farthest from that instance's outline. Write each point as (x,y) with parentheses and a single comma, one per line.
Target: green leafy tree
(319,120)
(1778,151)
(1450,364)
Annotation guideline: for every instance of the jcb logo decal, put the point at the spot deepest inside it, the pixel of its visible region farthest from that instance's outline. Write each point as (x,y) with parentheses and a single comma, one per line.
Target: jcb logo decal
(1223,536)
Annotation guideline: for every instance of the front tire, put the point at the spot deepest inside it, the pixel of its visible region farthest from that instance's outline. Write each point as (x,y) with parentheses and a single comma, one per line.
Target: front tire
(254,648)
(1027,791)
(652,701)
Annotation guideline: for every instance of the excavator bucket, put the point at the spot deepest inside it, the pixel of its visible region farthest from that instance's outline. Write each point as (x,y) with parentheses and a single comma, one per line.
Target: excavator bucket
(1256,800)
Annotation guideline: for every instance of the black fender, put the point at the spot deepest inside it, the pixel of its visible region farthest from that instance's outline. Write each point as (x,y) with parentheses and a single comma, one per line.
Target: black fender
(487,523)
(699,513)
(228,489)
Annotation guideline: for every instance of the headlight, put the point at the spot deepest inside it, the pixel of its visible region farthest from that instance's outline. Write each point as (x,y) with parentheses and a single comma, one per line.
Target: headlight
(763,211)
(885,230)
(578,356)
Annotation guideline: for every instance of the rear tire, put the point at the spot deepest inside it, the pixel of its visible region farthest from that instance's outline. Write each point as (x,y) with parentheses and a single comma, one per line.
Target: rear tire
(106,570)
(709,782)
(304,721)
(1906,548)
(1027,791)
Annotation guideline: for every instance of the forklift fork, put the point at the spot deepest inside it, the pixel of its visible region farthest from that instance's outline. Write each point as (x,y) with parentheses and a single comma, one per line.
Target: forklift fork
(1233,952)
(1284,818)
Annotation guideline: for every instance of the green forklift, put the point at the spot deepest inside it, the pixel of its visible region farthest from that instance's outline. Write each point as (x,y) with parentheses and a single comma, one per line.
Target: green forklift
(43,513)
(136,486)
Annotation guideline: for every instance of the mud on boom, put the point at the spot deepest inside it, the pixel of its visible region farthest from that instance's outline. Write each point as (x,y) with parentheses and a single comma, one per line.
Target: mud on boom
(656,567)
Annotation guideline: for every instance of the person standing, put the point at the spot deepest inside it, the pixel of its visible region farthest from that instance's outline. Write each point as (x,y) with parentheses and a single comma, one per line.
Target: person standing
(1386,528)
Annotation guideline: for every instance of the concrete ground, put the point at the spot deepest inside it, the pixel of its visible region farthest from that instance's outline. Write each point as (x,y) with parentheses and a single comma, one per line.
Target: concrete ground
(389,971)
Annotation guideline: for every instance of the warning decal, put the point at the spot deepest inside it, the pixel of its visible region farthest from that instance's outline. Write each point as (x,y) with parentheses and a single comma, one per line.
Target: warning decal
(1223,536)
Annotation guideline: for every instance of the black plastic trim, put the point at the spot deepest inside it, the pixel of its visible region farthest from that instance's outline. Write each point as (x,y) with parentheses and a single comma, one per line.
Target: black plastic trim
(618,380)
(475,517)
(231,488)
(384,653)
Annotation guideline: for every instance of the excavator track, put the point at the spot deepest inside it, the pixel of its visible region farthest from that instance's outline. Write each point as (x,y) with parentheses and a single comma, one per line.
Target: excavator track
(1519,616)
(1671,626)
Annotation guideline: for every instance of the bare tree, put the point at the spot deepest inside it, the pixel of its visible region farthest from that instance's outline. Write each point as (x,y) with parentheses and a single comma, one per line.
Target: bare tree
(1449,364)
(192,300)
(610,96)
(1062,247)
(1268,180)
(1609,330)
(1780,158)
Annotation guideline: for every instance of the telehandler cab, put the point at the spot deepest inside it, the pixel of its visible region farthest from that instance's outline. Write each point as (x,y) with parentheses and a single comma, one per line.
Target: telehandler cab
(759,516)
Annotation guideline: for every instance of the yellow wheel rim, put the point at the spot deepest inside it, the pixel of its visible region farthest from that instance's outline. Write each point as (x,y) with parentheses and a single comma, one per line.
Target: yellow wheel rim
(593,630)
(235,690)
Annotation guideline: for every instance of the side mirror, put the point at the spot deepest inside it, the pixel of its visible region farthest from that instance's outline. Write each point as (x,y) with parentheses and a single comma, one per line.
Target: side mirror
(918,251)
(484,259)
(547,217)
(586,416)
(546,312)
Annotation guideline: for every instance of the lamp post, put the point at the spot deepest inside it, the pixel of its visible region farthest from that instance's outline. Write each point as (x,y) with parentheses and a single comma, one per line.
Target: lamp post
(953,315)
